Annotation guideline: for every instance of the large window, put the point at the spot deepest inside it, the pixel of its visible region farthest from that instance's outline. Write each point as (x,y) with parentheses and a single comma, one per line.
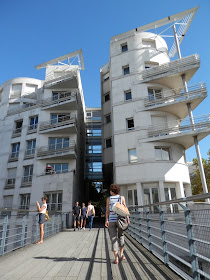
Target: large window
(31,146)
(28,173)
(54,201)
(107,119)
(61,94)
(25,201)
(15,150)
(132,156)
(126,70)
(154,94)
(33,123)
(162,153)
(56,118)
(58,143)
(130,124)
(57,168)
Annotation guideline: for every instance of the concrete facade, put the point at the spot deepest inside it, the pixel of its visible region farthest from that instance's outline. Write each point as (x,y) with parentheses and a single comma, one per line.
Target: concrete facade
(141,117)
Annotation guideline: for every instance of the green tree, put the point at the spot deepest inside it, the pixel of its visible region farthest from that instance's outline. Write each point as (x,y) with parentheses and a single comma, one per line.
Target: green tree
(196,178)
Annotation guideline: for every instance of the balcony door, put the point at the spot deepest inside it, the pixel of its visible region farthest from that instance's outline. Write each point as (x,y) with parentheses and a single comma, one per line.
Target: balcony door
(151,195)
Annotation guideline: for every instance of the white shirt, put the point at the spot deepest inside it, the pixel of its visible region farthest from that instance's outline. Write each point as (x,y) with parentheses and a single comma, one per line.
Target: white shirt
(44,210)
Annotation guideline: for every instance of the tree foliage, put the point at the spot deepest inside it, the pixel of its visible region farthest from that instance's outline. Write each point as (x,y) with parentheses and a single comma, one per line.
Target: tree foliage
(196,178)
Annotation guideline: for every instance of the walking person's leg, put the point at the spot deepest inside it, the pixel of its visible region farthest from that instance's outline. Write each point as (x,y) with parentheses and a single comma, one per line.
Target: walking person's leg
(84,221)
(75,222)
(121,239)
(41,233)
(114,239)
(81,222)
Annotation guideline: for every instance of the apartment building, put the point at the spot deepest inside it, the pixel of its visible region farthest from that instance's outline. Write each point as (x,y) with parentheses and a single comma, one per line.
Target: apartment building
(42,124)
(146,100)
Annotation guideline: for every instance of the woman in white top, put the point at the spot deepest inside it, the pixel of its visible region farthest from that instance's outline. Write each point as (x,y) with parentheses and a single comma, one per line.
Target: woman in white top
(42,211)
(90,214)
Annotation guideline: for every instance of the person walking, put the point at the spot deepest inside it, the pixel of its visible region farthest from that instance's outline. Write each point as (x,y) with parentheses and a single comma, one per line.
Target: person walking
(90,214)
(76,213)
(42,211)
(116,234)
(83,215)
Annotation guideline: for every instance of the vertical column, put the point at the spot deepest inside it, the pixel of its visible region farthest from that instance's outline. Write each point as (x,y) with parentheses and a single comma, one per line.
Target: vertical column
(140,194)
(161,191)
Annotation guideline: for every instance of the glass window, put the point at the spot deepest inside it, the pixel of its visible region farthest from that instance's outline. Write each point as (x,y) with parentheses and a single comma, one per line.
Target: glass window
(132,155)
(33,123)
(124,47)
(55,200)
(106,97)
(135,197)
(18,126)
(162,153)
(58,143)
(106,79)
(108,142)
(15,150)
(24,201)
(128,95)
(31,146)
(28,173)
(130,124)
(57,168)
(154,94)
(126,70)
(108,118)
(130,198)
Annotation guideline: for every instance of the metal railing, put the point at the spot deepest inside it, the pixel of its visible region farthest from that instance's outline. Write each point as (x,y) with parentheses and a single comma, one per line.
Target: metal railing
(180,238)
(58,100)
(16,132)
(194,91)
(10,183)
(58,149)
(63,77)
(30,153)
(17,230)
(180,126)
(59,122)
(172,67)
(27,179)
(14,156)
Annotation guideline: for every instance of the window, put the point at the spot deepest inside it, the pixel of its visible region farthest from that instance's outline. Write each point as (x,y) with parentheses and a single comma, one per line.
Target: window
(130,124)
(11,176)
(58,95)
(132,155)
(33,123)
(148,43)
(29,88)
(18,126)
(108,142)
(31,146)
(54,201)
(126,70)
(170,194)
(58,143)
(56,118)
(124,47)
(106,97)
(25,201)
(162,153)
(132,197)
(107,119)
(128,95)
(15,150)
(8,199)
(106,79)
(28,173)
(154,94)
(58,168)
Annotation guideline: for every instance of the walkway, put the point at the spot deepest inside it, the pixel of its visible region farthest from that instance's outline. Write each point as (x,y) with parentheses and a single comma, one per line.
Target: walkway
(81,255)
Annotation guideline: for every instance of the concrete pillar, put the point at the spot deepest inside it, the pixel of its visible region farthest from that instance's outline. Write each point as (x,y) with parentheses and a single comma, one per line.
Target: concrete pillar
(188,190)
(180,190)
(140,194)
(161,191)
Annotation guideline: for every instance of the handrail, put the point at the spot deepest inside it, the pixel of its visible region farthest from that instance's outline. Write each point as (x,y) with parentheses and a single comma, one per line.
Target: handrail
(173,66)
(61,121)
(180,126)
(194,90)
(53,149)
(64,76)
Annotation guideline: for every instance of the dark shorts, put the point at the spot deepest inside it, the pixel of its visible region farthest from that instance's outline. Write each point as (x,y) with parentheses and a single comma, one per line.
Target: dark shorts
(41,218)
(83,217)
(76,218)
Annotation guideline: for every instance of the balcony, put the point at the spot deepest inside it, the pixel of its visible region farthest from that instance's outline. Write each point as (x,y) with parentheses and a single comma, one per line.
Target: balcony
(64,124)
(175,100)
(14,156)
(169,74)
(30,153)
(63,150)
(10,183)
(17,132)
(65,101)
(26,181)
(181,131)
(32,128)
(66,79)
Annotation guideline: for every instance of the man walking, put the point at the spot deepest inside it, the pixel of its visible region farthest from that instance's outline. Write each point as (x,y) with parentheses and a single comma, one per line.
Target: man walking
(76,213)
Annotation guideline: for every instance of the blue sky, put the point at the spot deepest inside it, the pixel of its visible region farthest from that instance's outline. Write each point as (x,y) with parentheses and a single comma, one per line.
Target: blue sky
(35,31)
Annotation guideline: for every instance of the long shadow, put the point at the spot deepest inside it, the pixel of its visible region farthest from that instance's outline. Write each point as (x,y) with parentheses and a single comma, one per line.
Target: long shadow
(63,259)
(135,272)
(108,263)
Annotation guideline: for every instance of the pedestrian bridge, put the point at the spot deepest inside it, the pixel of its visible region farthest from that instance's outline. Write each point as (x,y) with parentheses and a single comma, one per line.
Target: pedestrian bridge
(170,240)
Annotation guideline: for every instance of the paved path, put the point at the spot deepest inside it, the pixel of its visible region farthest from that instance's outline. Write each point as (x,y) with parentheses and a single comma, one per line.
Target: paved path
(81,255)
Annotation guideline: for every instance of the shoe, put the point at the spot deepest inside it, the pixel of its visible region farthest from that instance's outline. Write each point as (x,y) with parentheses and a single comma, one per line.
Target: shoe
(84,228)
(74,229)
(78,228)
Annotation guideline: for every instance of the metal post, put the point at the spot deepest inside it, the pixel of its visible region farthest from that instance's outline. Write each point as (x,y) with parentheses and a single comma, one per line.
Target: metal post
(192,247)
(148,230)
(163,235)
(200,164)
(53,224)
(4,235)
(23,230)
(37,227)
(58,223)
(139,222)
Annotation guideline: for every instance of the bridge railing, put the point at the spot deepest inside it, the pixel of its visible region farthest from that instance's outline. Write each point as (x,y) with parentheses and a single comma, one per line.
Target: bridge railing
(177,232)
(20,227)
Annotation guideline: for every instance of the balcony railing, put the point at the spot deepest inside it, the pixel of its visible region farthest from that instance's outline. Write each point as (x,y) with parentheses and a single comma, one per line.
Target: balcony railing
(10,183)
(63,77)
(30,153)
(172,67)
(44,103)
(60,122)
(194,91)
(32,128)
(17,132)
(27,180)
(59,149)
(180,126)
(14,156)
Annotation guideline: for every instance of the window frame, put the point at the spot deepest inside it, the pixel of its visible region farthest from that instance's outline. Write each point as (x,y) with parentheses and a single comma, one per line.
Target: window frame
(129,156)
(127,92)
(109,138)
(127,121)
(105,96)
(107,122)
(124,45)
(124,69)
(161,148)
